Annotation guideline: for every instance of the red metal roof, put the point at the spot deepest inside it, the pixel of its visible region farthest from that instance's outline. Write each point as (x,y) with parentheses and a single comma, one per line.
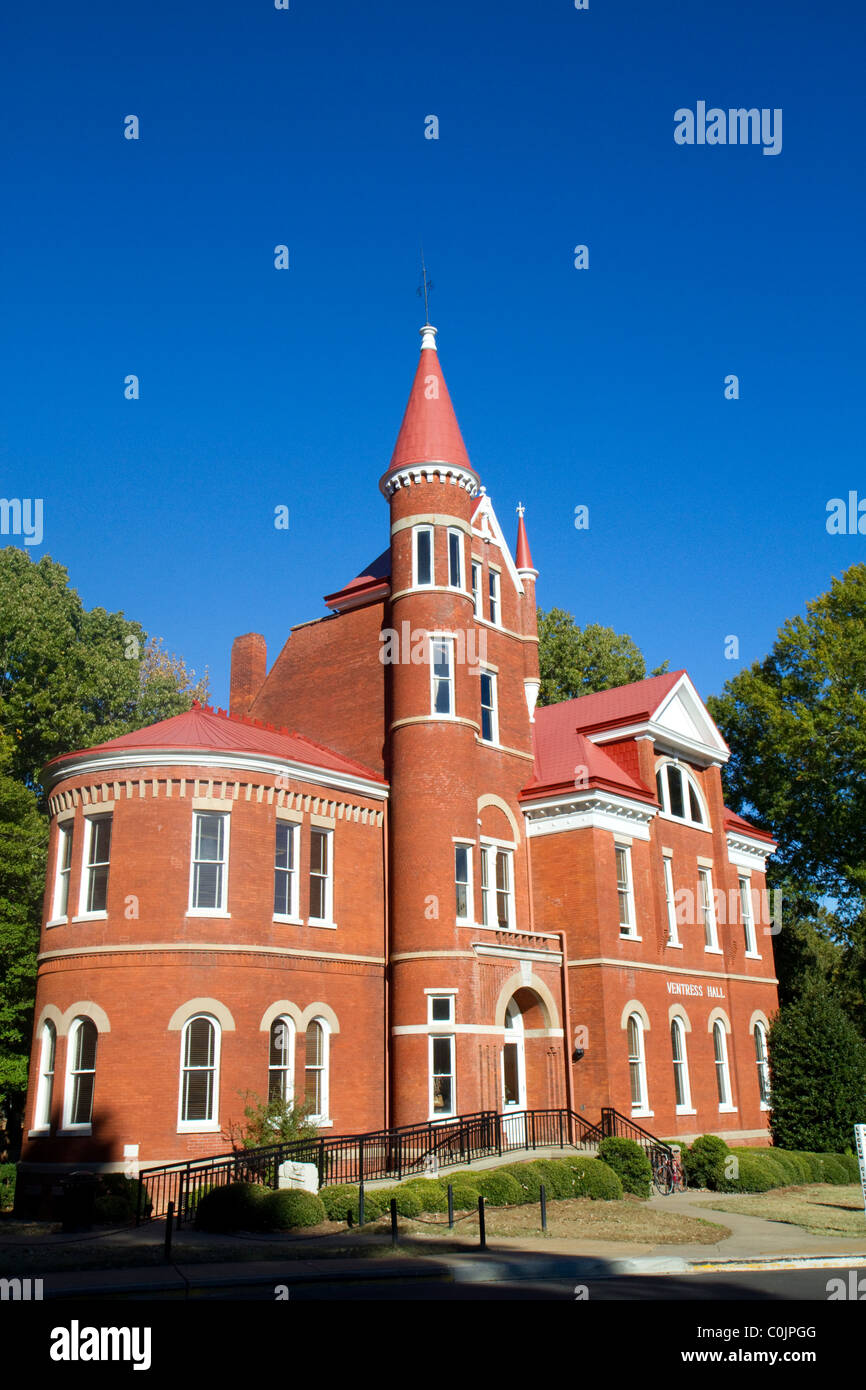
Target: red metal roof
(625,704)
(565,759)
(204,728)
(523,559)
(373,582)
(429,432)
(739,823)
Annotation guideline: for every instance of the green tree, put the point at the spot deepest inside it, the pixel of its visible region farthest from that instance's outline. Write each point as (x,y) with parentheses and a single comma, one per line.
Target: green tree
(69,678)
(266,1122)
(817,1073)
(577,661)
(796,726)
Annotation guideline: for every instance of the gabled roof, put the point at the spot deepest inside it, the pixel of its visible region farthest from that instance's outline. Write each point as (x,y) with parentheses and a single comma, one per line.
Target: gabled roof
(566,761)
(203,728)
(374,582)
(667,708)
(624,704)
(738,825)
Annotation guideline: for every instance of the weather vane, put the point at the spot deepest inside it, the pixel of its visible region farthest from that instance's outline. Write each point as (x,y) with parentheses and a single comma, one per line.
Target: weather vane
(425,287)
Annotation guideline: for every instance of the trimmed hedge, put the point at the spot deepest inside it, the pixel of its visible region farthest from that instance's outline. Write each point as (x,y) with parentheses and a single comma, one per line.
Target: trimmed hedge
(289,1208)
(432,1193)
(558,1178)
(528,1177)
(704,1161)
(630,1163)
(500,1189)
(236,1207)
(466,1190)
(710,1163)
(594,1178)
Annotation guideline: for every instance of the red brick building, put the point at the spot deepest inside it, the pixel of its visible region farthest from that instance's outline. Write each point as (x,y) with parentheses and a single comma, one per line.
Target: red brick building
(387,882)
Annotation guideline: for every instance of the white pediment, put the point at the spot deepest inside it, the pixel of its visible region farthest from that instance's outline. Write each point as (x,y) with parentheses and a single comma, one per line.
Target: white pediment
(685,719)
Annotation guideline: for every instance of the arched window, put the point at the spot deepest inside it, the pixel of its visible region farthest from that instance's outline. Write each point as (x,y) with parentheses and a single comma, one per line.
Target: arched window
(81,1073)
(761,1057)
(678,794)
(637,1063)
(682,1090)
(45,1090)
(199,1073)
(316,1068)
(723,1078)
(281,1060)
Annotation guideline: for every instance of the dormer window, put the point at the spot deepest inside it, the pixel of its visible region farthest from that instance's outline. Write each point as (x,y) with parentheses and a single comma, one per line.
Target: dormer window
(678,794)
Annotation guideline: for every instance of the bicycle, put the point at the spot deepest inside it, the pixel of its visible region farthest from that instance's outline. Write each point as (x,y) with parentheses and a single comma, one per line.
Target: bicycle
(669,1175)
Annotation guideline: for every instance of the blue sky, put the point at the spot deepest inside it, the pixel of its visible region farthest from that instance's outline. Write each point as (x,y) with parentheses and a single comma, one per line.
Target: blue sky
(602,387)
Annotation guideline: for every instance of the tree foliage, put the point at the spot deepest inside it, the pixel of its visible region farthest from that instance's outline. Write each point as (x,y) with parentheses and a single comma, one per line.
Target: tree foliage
(69,678)
(576,661)
(818,1073)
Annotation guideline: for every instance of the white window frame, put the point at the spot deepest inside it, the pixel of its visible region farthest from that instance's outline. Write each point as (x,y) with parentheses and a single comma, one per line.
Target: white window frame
(490,851)
(493,707)
(47,1073)
(204,1126)
(324,1069)
(707,910)
(477,573)
(455,535)
(688,781)
(670,901)
(683,1107)
(639,1060)
(294,841)
(417,582)
(84,912)
(328,919)
(448,643)
(494,596)
(62,871)
(438,996)
(80,1126)
(632,933)
(286,1070)
(762,1062)
(748,916)
(467,846)
(221,910)
(723,1068)
(450,1039)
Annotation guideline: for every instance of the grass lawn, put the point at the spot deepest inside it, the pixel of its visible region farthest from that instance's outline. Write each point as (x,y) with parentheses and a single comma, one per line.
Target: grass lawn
(38,1248)
(819,1208)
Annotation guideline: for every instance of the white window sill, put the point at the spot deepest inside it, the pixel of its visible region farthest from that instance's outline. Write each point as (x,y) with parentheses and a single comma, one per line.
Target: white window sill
(681,820)
(674,945)
(314,922)
(629,936)
(288,921)
(642,1114)
(321,1124)
(74,1132)
(728,1109)
(684,1110)
(57,922)
(91,917)
(208,912)
(713,951)
(198,1127)
(39,1133)
(750,955)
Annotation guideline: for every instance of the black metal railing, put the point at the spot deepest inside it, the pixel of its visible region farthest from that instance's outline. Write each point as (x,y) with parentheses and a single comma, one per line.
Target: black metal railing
(385,1154)
(615,1125)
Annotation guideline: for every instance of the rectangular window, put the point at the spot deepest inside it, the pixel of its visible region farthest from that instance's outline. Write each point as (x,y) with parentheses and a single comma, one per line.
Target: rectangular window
(64,868)
(463,882)
(624,891)
(285,870)
(670,902)
(748,916)
(441,1077)
(504,917)
(442,676)
(476,587)
(493,590)
(485,886)
(440,1008)
(209,861)
(97,854)
(489,720)
(321,876)
(423,558)
(455,559)
(708,914)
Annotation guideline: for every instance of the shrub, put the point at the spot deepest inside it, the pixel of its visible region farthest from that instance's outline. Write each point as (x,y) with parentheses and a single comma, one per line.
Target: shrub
(432,1193)
(290,1208)
(116,1199)
(466,1191)
(407,1198)
(754,1173)
(337,1199)
(594,1178)
(817,1073)
(630,1163)
(528,1178)
(111,1211)
(236,1207)
(7,1185)
(500,1189)
(704,1161)
(558,1177)
(275,1121)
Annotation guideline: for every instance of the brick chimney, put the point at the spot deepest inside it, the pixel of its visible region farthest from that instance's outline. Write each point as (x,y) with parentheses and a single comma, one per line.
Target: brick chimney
(249,668)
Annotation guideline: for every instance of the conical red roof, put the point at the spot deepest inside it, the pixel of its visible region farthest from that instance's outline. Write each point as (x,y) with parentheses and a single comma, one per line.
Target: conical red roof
(523,557)
(429,432)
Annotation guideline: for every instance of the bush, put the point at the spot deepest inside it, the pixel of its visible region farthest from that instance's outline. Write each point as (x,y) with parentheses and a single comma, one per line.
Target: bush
(594,1178)
(407,1198)
(704,1161)
(558,1177)
(236,1207)
(500,1189)
(7,1185)
(754,1173)
(528,1178)
(290,1208)
(339,1199)
(466,1191)
(432,1193)
(112,1211)
(116,1199)
(630,1163)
